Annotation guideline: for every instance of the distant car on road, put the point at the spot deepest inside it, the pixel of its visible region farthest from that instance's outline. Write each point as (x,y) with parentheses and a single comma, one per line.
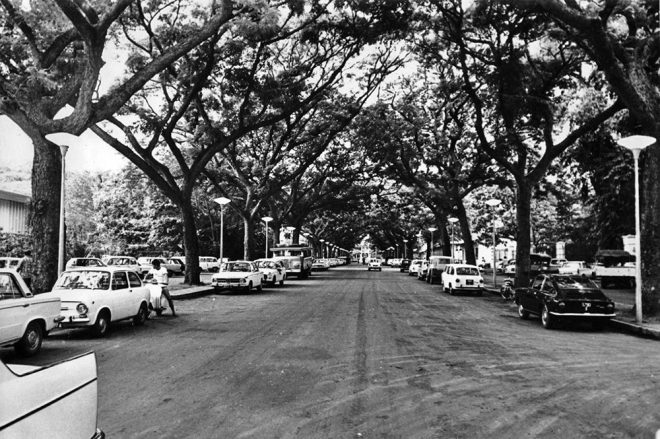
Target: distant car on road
(96,296)
(375,264)
(404,265)
(414,267)
(462,277)
(127,262)
(557,297)
(58,400)
(274,271)
(146,264)
(572,267)
(25,320)
(209,263)
(243,275)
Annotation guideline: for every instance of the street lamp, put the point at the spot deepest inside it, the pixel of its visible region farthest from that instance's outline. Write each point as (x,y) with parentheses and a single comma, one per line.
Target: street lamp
(396,253)
(636,144)
(405,249)
(266,219)
(493,203)
(432,229)
(222,201)
(452,220)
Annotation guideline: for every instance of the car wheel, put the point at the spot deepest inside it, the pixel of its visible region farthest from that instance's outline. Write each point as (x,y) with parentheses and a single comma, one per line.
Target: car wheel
(159,312)
(141,315)
(31,341)
(451,290)
(547,320)
(480,292)
(282,282)
(102,324)
(260,288)
(248,288)
(522,312)
(380,269)
(170,273)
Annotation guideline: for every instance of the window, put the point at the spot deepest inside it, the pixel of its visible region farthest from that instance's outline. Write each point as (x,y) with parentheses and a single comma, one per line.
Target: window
(119,281)
(134,280)
(8,288)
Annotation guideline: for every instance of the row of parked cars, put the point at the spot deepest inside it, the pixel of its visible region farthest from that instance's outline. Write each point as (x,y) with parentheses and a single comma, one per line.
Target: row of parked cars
(175,265)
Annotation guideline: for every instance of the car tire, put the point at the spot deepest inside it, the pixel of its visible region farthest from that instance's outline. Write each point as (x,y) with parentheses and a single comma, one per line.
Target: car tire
(260,288)
(547,320)
(141,317)
(380,269)
(248,289)
(451,290)
(480,292)
(159,312)
(522,312)
(282,282)
(31,341)
(102,325)
(170,273)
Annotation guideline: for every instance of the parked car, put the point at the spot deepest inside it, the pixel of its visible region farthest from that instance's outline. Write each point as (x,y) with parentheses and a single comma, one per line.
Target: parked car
(423,268)
(274,272)
(404,265)
(178,260)
(54,401)
(462,277)
(572,267)
(10,262)
(414,267)
(84,262)
(243,275)
(556,264)
(510,268)
(375,264)
(557,297)
(97,296)
(436,266)
(320,265)
(209,263)
(127,262)
(25,320)
(146,264)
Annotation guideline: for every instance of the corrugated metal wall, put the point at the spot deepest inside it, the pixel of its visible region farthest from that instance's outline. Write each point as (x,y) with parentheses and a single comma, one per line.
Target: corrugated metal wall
(13,216)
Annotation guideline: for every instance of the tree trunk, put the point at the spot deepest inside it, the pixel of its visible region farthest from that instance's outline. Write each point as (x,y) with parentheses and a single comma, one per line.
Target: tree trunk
(190,242)
(466,234)
(248,238)
(44,213)
(650,217)
(523,240)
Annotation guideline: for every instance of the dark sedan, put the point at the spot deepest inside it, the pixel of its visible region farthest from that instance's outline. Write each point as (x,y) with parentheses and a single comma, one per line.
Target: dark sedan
(556,297)
(405,264)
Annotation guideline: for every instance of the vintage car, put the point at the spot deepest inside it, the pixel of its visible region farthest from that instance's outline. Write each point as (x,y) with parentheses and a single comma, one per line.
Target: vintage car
(572,267)
(436,267)
(462,277)
(97,296)
(58,400)
(414,267)
(375,264)
(146,264)
(557,297)
(127,262)
(320,265)
(423,270)
(25,319)
(404,265)
(209,263)
(243,275)
(274,272)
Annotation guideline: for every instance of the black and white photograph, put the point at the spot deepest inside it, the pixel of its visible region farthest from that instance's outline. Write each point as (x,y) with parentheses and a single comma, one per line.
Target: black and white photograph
(342,219)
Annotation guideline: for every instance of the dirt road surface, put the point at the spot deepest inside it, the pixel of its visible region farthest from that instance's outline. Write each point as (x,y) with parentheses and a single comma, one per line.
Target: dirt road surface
(357,354)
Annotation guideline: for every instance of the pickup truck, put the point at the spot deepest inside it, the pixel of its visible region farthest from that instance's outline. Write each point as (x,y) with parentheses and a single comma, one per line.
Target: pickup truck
(25,320)
(615,268)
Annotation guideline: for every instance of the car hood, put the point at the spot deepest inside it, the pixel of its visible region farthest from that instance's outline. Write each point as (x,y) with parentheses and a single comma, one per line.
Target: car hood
(77,295)
(232,274)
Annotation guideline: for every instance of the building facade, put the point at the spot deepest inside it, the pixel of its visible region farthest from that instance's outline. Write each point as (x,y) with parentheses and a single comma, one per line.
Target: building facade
(14,212)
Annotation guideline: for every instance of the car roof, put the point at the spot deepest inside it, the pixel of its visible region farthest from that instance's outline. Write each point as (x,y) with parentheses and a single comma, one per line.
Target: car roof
(97,268)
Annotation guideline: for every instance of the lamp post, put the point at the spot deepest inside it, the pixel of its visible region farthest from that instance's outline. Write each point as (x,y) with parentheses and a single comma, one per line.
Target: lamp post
(405,249)
(432,229)
(452,221)
(266,219)
(222,201)
(493,203)
(60,252)
(636,144)
(396,252)
(322,248)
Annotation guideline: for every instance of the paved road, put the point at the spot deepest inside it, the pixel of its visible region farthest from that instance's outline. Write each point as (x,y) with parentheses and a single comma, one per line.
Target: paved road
(351,353)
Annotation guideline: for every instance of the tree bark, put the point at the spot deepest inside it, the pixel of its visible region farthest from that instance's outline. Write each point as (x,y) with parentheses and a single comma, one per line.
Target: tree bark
(523,240)
(248,238)
(44,213)
(190,242)
(650,215)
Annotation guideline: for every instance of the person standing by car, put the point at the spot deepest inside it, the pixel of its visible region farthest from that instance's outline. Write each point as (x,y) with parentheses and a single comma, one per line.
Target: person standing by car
(160,275)
(25,268)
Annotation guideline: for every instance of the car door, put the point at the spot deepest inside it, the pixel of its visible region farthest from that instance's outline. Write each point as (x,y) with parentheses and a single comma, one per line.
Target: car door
(137,289)
(14,308)
(120,296)
(528,297)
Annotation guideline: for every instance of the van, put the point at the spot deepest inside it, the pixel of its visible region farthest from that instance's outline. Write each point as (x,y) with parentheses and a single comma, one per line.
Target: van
(437,265)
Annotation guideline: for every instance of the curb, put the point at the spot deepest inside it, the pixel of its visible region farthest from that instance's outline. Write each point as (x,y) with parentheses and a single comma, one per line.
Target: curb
(190,293)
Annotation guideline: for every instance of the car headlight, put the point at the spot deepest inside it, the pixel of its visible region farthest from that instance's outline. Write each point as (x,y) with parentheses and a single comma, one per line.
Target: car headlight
(82,308)
(561,304)
(243,280)
(610,305)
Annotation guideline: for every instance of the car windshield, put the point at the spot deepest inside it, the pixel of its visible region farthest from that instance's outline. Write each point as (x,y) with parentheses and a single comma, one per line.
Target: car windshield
(88,280)
(575,283)
(236,266)
(467,271)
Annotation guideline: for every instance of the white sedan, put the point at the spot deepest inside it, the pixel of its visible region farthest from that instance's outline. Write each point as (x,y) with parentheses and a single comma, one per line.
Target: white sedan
(274,272)
(95,297)
(243,275)
(24,319)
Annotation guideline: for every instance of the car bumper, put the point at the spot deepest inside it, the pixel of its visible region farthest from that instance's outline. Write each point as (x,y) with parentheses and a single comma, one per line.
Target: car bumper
(583,315)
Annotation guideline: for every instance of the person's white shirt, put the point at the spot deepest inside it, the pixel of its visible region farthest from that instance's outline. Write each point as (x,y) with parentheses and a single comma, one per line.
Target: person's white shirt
(160,275)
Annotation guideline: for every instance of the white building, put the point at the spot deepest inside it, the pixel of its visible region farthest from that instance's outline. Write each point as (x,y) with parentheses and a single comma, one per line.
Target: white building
(14,211)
